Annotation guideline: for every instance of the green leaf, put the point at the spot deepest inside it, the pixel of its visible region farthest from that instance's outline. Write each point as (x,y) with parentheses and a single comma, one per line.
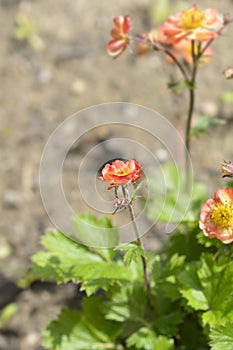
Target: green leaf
(222,337)
(93,313)
(129,303)
(164,275)
(67,260)
(168,323)
(179,86)
(82,331)
(146,339)
(7,313)
(207,286)
(229,184)
(213,243)
(204,124)
(191,335)
(164,343)
(103,276)
(134,251)
(196,299)
(169,200)
(184,242)
(97,233)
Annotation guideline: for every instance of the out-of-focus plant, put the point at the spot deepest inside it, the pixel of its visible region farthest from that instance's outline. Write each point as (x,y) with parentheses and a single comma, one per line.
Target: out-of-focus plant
(27,30)
(7,313)
(185,40)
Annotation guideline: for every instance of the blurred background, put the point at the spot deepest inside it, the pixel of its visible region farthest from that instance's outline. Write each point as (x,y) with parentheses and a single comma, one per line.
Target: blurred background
(53,63)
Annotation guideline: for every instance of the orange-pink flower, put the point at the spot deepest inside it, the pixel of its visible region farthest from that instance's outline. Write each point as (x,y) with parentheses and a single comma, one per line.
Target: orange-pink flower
(182,50)
(120,35)
(216,218)
(121,173)
(193,24)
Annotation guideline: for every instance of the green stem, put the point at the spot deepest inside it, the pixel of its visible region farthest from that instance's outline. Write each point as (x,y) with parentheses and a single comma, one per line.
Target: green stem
(196,58)
(188,136)
(144,264)
(192,83)
(139,242)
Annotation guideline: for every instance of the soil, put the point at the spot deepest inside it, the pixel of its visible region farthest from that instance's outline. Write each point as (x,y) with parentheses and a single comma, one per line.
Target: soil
(64,69)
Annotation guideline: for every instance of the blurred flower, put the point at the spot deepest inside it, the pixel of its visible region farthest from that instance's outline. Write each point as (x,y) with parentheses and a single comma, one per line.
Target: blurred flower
(216,218)
(227,169)
(181,50)
(120,40)
(121,173)
(193,24)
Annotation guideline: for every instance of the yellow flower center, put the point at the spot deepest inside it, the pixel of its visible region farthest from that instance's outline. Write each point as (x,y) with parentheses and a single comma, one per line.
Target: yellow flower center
(192,19)
(122,172)
(222,215)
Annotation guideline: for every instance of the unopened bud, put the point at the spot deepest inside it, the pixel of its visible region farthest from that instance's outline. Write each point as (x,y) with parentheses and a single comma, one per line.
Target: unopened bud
(227,169)
(228,73)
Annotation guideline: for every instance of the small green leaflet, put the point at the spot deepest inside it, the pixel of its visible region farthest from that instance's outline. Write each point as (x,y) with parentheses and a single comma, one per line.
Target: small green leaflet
(222,337)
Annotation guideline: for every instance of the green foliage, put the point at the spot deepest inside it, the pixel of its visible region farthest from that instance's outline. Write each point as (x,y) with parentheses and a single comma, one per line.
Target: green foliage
(161,9)
(134,251)
(180,86)
(27,30)
(229,184)
(67,260)
(82,331)
(204,125)
(191,292)
(207,285)
(128,303)
(164,275)
(192,335)
(169,201)
(185,241)
(222,337)
(7,313)
(146,339)
(98,233)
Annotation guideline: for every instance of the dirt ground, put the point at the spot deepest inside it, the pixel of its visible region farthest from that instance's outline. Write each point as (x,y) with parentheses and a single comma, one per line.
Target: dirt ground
(59,71)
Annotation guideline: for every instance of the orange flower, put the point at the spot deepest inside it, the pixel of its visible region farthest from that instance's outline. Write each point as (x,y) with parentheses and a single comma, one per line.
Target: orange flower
(227,169)
(121,173)
(193,24)
(120,40)
(181,50)
(216,218)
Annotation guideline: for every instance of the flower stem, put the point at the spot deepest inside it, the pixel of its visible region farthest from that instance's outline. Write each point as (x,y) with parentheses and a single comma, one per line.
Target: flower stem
(139,242)
(144,264)
(159,47)
(192,82)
